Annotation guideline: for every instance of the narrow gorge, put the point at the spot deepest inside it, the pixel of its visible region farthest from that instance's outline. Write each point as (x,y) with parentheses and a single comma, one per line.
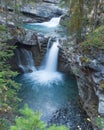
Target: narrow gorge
(60,78)
(48,83)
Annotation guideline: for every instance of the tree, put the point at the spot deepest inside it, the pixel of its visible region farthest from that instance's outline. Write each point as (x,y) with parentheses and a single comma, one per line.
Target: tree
(31,121)
(8,87)
(83,15)
(76,17)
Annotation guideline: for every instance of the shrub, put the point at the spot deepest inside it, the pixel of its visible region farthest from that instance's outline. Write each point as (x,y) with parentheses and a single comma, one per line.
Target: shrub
(96,38)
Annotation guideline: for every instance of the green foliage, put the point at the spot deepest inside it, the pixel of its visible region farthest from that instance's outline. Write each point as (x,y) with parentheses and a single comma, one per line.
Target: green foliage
(31,121)
(96,38)
(85,59)
(100,122)
(75,22)
(8,87)
(2,28)
(4,124)
(102,84)
(54,127)
(83,15)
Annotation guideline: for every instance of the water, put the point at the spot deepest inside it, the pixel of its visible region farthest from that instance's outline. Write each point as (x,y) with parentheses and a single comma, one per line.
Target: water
(25,60)
(48,71)
(54,22)
(50,28)
(52,93)
(51,63)
(55,97)
(46,96)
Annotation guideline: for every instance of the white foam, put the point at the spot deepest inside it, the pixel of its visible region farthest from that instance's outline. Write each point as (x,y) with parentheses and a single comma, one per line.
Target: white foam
(52,23)
(46,77)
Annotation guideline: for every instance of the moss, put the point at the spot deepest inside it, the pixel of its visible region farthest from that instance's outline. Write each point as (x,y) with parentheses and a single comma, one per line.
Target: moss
(102,84)
(85,59)
(2,28)
(100,122)
(95,38)
(76,71)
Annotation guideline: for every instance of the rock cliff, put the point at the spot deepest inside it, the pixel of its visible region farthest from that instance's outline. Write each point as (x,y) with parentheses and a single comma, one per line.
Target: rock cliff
(88,67)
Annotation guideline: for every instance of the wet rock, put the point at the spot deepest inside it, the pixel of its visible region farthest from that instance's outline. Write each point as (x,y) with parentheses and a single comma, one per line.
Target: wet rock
(72,117)
(52,1)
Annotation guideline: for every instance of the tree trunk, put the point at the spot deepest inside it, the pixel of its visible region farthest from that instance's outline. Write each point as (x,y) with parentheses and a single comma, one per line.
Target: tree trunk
(95,13)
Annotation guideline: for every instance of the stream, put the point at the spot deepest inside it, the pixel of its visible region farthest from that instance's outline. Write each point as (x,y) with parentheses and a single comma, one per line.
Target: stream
(53,93)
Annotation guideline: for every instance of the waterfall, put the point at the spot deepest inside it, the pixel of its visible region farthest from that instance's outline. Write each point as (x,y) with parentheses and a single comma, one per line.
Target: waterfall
(25,60)
(52,23)
(19,62)
(52,58)
(49,43)
(48,74)
(49,28)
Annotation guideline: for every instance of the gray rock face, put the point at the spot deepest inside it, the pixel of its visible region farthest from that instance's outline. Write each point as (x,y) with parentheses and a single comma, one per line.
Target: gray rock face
(28,37)
(43,10)
(39,11)
(89,71)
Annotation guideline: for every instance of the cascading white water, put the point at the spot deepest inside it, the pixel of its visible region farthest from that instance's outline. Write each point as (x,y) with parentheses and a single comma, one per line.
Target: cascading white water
(46,55)
(49,73)
(62,91)
(52,59)
(49,28)
(25,60)
(49,44)
(52,23)
(19,62)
